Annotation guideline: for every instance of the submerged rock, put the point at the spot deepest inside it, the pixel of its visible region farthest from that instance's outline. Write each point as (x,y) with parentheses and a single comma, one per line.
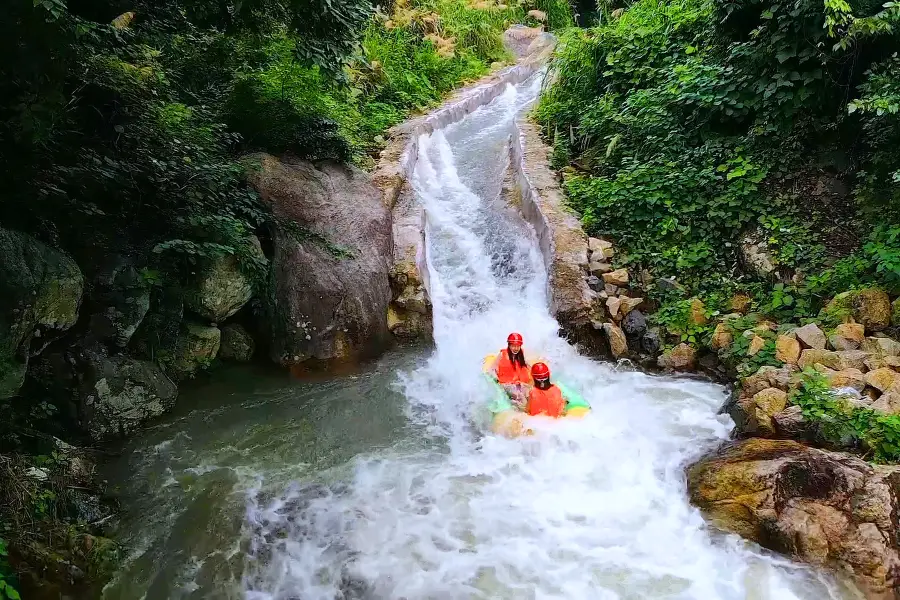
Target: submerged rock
(327,304)
(40,294)
(826,508)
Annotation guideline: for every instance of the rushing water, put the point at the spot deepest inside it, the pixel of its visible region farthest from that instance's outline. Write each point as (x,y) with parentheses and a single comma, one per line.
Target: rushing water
(386,485)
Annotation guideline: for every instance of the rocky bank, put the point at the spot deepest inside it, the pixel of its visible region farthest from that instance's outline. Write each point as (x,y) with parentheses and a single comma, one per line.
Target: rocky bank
(827,506)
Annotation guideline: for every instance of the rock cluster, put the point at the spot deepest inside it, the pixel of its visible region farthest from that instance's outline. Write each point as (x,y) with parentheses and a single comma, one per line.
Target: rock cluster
(616,307)
(868,376)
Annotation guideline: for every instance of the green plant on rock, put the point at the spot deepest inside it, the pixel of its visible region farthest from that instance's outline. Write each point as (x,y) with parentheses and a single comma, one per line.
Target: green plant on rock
(8,581)
(737,354)
(842,423)
(679,320)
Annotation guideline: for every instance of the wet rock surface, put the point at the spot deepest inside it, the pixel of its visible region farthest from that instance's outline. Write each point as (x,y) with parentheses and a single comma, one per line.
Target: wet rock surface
(327,305)
(825,508)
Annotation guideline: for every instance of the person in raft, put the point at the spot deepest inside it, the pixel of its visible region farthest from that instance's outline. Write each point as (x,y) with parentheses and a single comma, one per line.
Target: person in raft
(544,398)
(512,371)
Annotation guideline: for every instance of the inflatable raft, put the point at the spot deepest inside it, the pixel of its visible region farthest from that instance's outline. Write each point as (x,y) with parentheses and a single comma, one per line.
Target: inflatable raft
(510,421)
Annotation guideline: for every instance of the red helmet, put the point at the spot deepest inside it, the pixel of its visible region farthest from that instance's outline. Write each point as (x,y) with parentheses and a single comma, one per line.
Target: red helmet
(514,338)
(540,371)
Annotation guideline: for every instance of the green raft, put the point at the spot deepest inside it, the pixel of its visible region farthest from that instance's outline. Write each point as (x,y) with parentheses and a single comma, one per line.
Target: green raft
(500,401)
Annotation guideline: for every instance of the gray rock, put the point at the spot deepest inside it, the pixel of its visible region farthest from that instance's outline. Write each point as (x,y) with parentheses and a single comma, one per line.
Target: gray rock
(635,327)
(105,397)
(810,336)
(595,283)
(651,342)
(40,294)
(790,424)
(326,306)
(669,284)
(119,301)
(221,289)
(237,344)
(755,254)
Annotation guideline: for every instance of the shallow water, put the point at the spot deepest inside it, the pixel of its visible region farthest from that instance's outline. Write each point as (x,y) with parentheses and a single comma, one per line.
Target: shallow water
(385,484)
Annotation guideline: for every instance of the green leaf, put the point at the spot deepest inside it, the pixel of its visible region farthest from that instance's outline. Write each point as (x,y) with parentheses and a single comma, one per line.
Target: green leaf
(784,55)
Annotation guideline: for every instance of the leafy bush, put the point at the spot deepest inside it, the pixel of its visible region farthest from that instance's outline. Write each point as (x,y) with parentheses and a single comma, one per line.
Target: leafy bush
(7,577)
(841,423)
(680,126)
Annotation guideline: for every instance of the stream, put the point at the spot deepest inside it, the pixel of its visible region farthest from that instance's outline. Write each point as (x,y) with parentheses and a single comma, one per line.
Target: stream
(386,483)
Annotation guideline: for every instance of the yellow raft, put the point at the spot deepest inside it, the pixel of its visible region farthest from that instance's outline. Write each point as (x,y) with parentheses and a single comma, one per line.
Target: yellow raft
(509,421)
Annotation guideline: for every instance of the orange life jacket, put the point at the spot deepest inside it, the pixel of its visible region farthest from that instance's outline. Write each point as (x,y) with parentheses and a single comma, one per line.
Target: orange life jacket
(548,402)
(510,372)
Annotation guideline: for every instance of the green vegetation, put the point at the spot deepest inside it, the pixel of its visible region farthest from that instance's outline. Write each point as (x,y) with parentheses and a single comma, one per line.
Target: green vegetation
(7,577)
(126,129)
(840,423)
(681,126)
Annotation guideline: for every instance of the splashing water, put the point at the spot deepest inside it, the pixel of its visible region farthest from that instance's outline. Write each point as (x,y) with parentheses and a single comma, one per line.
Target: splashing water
(437,508)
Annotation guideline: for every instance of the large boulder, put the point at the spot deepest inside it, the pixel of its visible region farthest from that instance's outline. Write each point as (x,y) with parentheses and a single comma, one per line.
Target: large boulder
(118,301)
(869,307)
(40,293)
(106,397)
(221,288)
(826,508)
(328,304)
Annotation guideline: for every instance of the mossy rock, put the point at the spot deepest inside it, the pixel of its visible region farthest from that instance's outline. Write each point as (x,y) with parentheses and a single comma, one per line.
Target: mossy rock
(40,294)
(196,348)
(221,289)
